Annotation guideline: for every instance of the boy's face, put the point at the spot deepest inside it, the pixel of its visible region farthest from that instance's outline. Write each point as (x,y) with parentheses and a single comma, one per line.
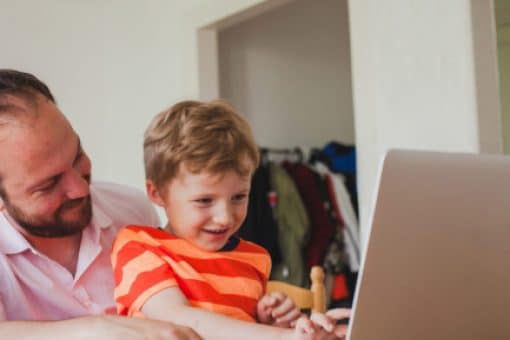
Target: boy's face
(205,209)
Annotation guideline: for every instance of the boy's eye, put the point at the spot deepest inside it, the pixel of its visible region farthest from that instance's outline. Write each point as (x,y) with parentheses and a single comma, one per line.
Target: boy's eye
(203,200)
(239,198)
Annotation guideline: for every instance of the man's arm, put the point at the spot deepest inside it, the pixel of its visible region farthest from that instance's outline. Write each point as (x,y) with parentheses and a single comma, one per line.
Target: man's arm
(96,327)
(93,328)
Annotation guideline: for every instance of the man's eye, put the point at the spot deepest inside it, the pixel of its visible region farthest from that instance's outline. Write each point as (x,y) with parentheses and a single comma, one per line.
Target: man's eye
(46,188)
(79,157)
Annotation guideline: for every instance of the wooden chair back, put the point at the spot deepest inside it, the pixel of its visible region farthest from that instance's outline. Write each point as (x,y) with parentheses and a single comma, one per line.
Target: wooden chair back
(313,298)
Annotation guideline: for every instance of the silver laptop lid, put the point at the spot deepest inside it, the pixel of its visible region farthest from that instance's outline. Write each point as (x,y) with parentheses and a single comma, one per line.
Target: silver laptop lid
(437,263)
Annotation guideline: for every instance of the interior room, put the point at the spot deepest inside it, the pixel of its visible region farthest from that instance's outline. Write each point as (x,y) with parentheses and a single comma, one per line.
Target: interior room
(329,85)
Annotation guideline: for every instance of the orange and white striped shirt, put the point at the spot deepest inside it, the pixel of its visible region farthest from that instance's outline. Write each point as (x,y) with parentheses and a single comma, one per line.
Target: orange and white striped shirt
(147,260)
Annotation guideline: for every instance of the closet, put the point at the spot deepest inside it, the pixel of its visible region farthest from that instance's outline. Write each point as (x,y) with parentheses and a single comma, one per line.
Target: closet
(285,65)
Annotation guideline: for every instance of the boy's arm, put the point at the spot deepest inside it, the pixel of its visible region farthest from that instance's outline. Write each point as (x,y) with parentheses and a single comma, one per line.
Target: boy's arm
(96,327)
(171,305)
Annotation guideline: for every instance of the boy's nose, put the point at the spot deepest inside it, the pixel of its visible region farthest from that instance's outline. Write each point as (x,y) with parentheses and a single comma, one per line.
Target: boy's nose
(223,217)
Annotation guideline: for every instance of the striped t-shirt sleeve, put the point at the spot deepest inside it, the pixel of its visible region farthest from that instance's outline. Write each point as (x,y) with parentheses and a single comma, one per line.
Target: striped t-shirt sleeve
(139,270)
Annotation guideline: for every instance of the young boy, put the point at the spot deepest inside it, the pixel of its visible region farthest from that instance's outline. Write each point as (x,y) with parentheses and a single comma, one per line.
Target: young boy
(199,158)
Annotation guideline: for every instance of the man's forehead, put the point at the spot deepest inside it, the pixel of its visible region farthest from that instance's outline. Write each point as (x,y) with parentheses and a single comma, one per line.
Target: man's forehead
(17,110)
(13,131)
(21,101)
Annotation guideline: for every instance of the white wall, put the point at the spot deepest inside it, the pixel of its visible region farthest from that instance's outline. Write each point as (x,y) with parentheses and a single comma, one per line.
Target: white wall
(288,71)
(112,65)
(414,82)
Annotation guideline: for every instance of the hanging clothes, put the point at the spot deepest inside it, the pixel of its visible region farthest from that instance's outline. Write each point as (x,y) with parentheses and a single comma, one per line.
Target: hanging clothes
(340,158)
(342,205)
(334,259)
(293,227)
(343,283)
(259,226)
(322,229)
(334,262)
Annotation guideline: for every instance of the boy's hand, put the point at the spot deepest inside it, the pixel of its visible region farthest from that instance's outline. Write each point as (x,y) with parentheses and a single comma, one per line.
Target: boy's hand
(327,323)
(318,327)
(322,326)
(277,309)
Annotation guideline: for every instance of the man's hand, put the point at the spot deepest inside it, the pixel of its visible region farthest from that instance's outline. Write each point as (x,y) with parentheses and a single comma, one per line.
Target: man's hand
(277,309)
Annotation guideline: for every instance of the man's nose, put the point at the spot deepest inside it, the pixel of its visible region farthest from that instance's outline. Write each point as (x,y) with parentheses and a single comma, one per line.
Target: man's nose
(76,185)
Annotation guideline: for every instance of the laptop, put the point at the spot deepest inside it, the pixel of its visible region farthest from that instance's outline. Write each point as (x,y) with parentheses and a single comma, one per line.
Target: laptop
(437,261)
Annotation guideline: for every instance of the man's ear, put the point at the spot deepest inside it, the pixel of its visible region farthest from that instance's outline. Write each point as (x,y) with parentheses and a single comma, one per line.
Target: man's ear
(153,193)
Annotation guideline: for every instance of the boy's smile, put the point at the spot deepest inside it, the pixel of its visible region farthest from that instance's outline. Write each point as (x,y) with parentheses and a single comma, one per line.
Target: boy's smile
(204,208)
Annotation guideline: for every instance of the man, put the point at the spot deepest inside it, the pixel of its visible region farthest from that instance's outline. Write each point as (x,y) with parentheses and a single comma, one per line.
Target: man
(56,227)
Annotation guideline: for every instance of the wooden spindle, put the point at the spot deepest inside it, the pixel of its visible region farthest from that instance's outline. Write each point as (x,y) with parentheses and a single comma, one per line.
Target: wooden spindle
(318,289)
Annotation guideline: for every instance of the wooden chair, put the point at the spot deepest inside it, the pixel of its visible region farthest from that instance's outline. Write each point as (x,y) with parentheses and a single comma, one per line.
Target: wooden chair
(313,298)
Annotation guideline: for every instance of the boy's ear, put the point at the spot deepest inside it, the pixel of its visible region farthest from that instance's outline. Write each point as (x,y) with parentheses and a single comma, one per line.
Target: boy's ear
(153,193)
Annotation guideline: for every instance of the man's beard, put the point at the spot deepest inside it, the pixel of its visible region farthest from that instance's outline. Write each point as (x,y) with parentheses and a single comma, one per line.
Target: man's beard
(57,226)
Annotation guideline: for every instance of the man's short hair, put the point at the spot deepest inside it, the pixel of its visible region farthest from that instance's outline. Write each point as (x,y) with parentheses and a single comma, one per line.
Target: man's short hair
(22,84)
(210,137)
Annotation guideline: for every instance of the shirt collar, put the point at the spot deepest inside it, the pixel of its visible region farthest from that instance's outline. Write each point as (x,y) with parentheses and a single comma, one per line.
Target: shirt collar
(11,241)
(100,220)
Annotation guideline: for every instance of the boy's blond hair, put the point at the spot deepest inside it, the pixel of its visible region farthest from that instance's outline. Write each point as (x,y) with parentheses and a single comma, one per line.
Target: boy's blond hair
(210,137)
